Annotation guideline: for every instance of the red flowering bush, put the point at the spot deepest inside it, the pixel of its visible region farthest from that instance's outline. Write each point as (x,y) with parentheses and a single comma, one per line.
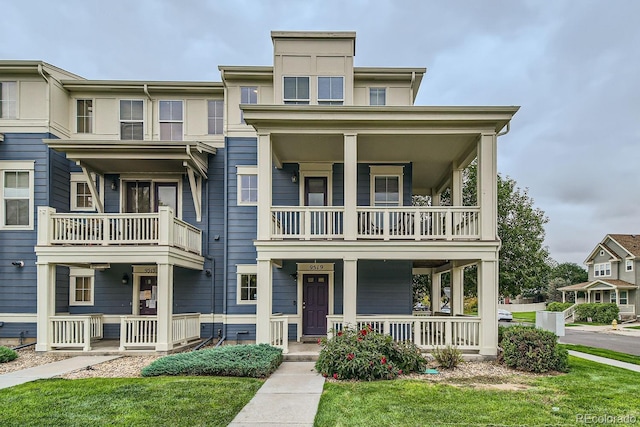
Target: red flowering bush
(365,354)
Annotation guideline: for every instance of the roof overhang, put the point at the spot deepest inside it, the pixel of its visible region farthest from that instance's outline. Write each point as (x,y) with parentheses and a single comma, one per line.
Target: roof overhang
(128,86)
(604,247)
(600,284)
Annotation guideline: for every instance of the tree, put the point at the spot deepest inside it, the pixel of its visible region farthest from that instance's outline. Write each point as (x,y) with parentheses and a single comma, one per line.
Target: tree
(565,274)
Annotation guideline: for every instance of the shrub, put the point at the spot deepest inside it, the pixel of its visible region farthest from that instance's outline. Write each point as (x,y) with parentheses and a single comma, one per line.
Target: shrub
(558,306)
(534,350)
(599,313)
(470,304)
(7,355)
(367,355)
(233,360)
(447,357)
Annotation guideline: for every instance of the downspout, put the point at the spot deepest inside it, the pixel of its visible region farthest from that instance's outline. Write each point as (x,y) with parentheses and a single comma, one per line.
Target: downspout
(225,237)
(413,89)
(146,92)
(506,131)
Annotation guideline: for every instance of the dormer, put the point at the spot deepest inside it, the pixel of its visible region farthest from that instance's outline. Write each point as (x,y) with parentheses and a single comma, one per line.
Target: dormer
(313,67)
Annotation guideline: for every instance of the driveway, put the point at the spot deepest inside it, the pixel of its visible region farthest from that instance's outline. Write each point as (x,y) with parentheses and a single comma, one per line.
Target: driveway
(622,341)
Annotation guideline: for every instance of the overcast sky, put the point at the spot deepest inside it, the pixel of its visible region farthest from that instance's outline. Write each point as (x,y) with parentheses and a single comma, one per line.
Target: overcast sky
(572,66)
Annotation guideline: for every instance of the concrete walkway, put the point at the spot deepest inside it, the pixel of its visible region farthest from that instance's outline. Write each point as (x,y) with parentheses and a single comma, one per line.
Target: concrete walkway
(290,397)
(51,370)
(605,361)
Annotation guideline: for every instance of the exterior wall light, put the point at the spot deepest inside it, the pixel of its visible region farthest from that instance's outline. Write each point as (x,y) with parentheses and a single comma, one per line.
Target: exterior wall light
(125,279)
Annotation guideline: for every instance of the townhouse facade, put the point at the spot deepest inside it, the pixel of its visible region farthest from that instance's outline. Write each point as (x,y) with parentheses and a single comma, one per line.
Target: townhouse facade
(275,205)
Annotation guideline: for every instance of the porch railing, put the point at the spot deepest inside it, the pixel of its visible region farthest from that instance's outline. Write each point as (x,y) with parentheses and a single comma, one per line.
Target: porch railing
(627,308)
(304,222)
(569,313)
(279,332)
(426,332)
(161,228)
(142,331)
(186,327)
(75,331)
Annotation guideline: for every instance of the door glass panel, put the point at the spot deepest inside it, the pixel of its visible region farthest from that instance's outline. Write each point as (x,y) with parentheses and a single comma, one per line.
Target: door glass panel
(138,197)
(167,195)
(316,191)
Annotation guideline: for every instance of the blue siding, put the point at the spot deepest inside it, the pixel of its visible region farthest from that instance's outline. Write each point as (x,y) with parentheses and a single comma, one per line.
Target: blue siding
(13,330)
(384,287)
(214,207)
(111,198)
(364,184)
(285,192)
(285,288)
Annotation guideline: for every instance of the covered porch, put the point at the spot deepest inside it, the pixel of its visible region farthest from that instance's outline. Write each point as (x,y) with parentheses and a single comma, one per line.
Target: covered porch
(620,292)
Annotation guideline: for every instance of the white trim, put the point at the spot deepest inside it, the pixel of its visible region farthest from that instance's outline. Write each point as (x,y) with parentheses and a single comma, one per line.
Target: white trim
(303,268)
(172,121)
(626,297)
(329,101)
(603,265)
(386,171)
(19,317)
(628,264)
(245,270)
(85,273)
(16,100)
(138,272)
(120,120)
(244,171)
(378,88)
(78,177)
(173,178)
(294,101)
(17,166)
(209,117)
(92,116)
(315,170)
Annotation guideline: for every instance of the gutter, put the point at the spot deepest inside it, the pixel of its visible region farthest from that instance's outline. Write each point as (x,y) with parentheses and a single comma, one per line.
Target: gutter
(506,131)
(146,92)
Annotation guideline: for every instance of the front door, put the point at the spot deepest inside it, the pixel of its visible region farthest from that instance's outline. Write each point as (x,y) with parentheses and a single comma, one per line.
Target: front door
(315,304)
(148,295)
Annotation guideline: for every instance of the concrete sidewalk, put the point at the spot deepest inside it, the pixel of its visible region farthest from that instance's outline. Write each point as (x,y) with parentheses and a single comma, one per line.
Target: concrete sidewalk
(289,397)
(51,370)
(606,361)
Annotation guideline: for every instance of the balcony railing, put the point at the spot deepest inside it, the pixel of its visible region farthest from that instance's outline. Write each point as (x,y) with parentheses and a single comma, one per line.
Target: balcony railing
(75,331)
(382,223)
(160,228)
(142,331)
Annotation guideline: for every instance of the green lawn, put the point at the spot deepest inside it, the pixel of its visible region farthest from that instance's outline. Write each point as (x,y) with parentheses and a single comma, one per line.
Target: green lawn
(632,327)
(525,316)
(589,388)
(162,401)
(623,357)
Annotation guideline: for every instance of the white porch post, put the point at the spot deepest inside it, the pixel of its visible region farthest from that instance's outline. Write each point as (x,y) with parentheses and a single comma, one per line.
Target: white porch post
(350,290)
(457,292)
(456,187)
(589,296)
(164,306)
(265,166)
(488,307)
(436,291)
(264,302)
(617,297)
(350,186)
(46,283)
(575,296)
(487,186)
(563,297)
(435,198)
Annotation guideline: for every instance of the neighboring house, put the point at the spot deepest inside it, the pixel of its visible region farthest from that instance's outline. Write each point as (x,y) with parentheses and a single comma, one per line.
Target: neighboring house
(613,274)
(274,205)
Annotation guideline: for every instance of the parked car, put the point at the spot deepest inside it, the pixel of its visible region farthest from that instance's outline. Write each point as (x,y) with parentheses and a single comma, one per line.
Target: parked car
(504,315)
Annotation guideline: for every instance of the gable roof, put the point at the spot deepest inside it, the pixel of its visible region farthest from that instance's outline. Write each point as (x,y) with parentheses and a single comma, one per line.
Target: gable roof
(602,245)
(615,283)
(629,242)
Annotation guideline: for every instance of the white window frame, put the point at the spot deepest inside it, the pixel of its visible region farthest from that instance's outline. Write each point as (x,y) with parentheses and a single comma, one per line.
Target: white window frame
(625,297)
(297,100)
(384,91)
(76,178)
(386,171)
(246,171)
(75,273)
(133,121)
(602,269)
(316,170)
(17,166)
(601,252)
(171,121)
(169,179)
(14,102)
(249,90)
(628,265)
(330,101)
(217,130)
(245,270)
(90,116)
(612,296)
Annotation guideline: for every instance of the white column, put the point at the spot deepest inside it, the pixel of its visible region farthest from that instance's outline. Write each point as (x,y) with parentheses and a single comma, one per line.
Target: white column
(264,302)
(563,297)
(350,292)
(456,187)
(488,307)
(46,305)
(435,198)
(618,297)
(350,186)
(436,292)
(265,166)
(457,290)
(164,307)
(487,187)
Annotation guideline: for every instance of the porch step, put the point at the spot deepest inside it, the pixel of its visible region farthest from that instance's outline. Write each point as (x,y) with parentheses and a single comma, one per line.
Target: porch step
(302,352)
(300,357)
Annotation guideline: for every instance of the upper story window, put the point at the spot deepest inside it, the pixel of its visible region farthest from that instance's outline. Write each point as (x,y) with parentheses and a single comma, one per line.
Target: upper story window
(8,100)
(215,116)
(16,181)
(247,185)
(170,120)
(131,119)
(602,269)
(145,196)
(331,90)
(84,116)
(628,265)
(386,185)
(296,90)
(377,96)
(248,95)
(81,197)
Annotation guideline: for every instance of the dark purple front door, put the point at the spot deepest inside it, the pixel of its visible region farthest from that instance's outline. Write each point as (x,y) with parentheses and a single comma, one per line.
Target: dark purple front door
(315,306)
(148,295)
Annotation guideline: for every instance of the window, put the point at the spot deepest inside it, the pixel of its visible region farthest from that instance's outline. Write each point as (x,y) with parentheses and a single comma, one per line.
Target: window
(170,120)
(628,265)
(16,181)
(8,100)
(148,196)
(247,279)
(598,296)
(601,252)
(602,270)
(330,90)
(131,120)
(386,185)
(84,116)
(81,198)
(216,108)
(624,298)
(247,185)
(612,296)
(81,286)
(377,96)
(296,90)
(248,95)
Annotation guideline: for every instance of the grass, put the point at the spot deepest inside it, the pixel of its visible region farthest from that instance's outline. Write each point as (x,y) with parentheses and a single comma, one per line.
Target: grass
(589,388)
(587,323)
(184,401)
(623,357)
(632,327)
(524,316)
